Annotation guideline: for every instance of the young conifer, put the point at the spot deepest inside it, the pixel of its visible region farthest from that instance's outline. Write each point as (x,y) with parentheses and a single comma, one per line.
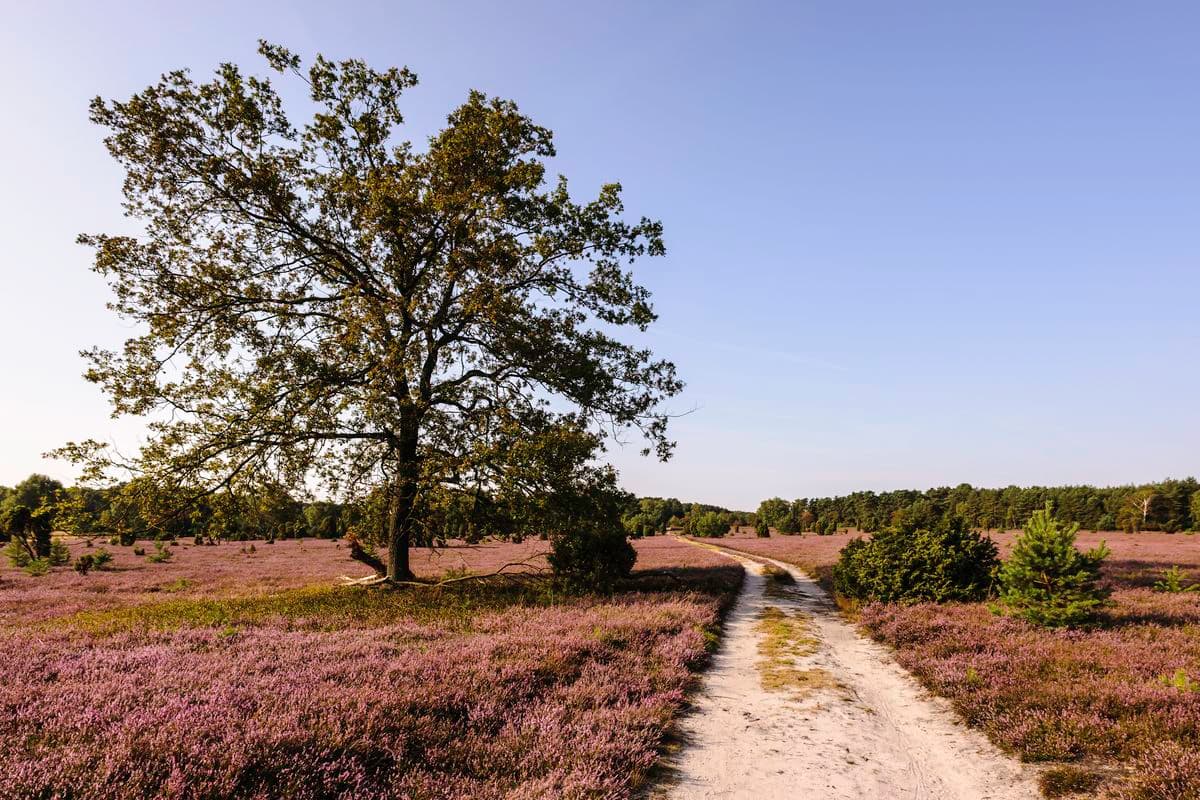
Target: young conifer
(1047,581)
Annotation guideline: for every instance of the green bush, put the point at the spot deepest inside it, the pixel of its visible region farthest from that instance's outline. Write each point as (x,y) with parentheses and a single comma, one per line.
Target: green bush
(709,524)
(1172,582)
(38,567)
(59,555)
(762,531)
(18,556)
(1046,580)
(951,563)
(591,560)
(161,553)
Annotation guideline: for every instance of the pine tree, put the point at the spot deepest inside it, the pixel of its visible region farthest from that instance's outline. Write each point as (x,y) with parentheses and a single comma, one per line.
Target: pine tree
(1046,580)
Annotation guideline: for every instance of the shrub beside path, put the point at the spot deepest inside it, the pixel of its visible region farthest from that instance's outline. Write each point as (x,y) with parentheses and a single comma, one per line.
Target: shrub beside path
(797,704)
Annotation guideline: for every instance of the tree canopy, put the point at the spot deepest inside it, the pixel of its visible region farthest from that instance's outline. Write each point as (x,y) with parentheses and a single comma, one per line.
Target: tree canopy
(328,305)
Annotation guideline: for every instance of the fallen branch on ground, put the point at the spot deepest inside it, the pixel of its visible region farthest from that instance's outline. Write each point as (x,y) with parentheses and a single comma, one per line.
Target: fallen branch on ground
(374,580)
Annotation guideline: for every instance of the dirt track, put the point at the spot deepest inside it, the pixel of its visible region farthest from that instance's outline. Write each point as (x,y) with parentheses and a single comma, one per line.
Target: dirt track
(844,721)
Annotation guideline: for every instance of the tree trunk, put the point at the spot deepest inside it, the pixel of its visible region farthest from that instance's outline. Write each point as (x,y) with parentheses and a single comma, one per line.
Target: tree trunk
(402,506)
(398,569)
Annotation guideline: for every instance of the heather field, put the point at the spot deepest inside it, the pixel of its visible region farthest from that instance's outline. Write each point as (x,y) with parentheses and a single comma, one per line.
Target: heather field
(223,672)
(1114,710)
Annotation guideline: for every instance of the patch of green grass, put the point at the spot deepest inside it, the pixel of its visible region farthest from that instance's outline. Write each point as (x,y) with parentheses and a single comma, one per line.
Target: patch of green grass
(175,586)
(321,607)
(786,637)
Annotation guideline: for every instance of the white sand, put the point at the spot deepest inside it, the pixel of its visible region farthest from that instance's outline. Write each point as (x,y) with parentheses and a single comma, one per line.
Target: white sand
(880,737)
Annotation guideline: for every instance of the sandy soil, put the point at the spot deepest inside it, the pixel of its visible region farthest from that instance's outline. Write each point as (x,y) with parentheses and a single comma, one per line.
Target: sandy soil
(855,726)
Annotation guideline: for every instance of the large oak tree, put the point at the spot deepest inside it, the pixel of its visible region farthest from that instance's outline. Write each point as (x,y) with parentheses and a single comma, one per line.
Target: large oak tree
(328,305)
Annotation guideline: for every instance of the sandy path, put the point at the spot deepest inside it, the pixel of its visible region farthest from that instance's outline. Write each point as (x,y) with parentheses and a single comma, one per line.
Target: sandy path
(876,736)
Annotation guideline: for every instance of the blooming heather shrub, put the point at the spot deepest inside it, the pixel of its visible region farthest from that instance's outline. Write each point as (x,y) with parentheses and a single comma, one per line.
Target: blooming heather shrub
(1168,772)
(949,564)
(480,690)
(1047,581)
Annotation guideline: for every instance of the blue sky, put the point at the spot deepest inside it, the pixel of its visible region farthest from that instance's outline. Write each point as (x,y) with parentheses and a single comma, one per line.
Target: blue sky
(908,244)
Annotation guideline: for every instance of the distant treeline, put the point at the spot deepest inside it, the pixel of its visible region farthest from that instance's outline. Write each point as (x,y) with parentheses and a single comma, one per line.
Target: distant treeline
(138,510)
(648,516)
(1170,505)
(132,510)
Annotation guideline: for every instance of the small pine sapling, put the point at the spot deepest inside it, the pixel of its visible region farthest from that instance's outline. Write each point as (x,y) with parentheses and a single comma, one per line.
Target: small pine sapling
(1047,581)
(1172,582)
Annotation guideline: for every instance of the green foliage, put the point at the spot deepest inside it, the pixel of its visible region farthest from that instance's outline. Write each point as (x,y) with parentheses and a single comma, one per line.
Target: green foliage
(589,549)
(18,554)
(476,303)
(60,554)
(161,553)
(761,530)
(89,561)
(1067,781)
(27,530)
(652,515)
(38,567)
(708,524)
(1169,505)
(591,560)
(1046,580)
(773,512)
(1172,582)
(951,563)
(83,564)
(1180,680)
(38,493)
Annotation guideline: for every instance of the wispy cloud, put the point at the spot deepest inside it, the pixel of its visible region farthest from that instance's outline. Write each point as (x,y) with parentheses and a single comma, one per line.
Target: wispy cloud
(801,359)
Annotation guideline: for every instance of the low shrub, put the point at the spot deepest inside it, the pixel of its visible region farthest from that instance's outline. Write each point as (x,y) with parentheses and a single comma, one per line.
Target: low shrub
(60,554)
(1170,771)
(1172,582)
(709,524)
(1067,780)
(944,565)
(776,574)
(591,560)
(1180,680)
(161,553)
(17,554)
